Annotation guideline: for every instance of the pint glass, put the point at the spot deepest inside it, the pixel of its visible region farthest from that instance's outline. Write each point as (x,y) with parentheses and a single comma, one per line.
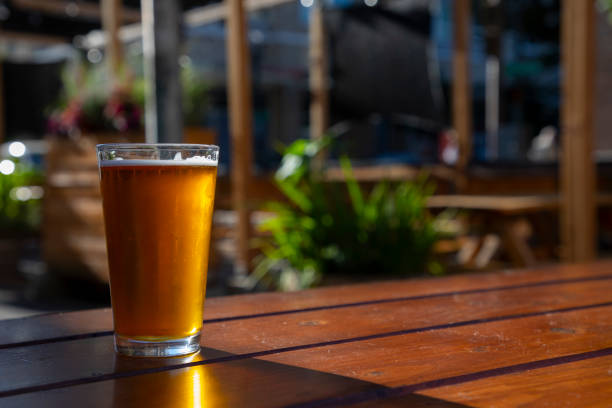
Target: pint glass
(158,204)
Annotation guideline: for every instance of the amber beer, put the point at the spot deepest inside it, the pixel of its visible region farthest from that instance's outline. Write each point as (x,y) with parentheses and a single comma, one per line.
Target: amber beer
(157,218)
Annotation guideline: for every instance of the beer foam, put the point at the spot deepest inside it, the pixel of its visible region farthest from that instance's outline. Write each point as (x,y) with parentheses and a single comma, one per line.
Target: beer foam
(191,161)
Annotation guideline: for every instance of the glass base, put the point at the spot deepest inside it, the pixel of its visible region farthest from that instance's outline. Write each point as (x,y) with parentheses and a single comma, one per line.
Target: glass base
(157,348)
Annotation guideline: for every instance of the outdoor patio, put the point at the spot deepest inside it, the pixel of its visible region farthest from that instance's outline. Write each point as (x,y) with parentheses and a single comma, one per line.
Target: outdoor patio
(380,202)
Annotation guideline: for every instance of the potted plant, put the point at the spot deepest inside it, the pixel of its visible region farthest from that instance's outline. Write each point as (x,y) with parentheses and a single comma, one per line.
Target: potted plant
(88,112)
(89,107)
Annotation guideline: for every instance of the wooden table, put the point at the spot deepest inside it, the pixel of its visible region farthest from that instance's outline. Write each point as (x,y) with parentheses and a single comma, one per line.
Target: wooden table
(505,216)
(539,337)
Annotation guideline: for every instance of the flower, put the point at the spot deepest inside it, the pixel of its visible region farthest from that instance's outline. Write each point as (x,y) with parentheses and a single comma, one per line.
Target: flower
(89,107)
(68,120)
(122,111)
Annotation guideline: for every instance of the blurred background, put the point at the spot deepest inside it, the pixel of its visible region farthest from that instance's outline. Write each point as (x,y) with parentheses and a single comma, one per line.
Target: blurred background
(360,139)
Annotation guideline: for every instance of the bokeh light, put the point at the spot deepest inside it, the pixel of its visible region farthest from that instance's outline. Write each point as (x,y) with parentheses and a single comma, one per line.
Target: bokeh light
(17,149)
(7,167)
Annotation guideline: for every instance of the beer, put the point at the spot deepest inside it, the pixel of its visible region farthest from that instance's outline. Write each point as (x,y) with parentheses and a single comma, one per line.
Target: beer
(157,217)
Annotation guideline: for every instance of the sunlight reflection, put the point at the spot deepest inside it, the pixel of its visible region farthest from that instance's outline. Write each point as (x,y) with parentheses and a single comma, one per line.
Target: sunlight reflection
(195,387)
(200,386)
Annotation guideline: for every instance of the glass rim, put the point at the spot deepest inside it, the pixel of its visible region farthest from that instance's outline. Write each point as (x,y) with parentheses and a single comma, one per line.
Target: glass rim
(146,146)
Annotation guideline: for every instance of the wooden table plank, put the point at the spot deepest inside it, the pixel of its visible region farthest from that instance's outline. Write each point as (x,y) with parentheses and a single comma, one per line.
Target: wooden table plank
(41,328)
(251,382)
(57,325)
(34,365)
(586,383)
(429,356)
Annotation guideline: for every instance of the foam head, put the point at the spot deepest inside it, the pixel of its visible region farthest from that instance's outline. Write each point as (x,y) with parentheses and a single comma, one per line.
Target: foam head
(191,161)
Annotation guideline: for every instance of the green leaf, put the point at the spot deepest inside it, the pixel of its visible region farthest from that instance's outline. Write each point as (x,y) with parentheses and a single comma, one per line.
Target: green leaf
(352,186)
(297,196)
(318,232)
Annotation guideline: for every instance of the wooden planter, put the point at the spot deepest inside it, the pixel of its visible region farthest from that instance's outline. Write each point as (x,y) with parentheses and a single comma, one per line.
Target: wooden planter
(73,229)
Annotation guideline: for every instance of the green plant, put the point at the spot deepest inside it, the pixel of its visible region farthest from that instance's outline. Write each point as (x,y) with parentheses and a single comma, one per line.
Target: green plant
(20,193)
(324,229)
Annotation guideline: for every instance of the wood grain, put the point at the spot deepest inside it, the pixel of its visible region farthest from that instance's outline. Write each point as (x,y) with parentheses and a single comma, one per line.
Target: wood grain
(390,394)
(229,306)
(318,65)
(426,358)
(252,383)
(36,329)
(504,340)
(462,92)
(394,318)
(421,357)
(336,329)
(53,326)
(111,11)
(577,168)
(241,123)
(586,383)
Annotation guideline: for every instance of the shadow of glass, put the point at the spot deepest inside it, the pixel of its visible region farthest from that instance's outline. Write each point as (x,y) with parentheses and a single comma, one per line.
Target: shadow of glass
(246,382)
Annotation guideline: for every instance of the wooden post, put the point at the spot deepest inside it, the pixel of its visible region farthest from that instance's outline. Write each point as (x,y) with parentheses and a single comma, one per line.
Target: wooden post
(161,21)
(462,92)
(241,125)
(577,167)
(319,100)
(111,20)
